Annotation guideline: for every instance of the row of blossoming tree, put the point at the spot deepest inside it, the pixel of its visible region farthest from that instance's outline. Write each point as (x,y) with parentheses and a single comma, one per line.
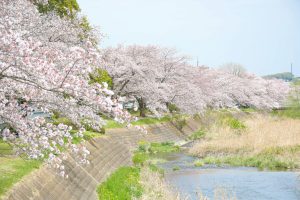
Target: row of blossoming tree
(47,56)
(157,77)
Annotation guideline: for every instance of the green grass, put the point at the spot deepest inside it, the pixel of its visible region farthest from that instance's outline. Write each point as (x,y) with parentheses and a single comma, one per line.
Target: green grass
(249,110)
(5,149)
(123,184)
(291,112)
(276,158)
(113,124)
(63,120)
(197,135)
(87,135)
(139,158)
(198,163)
(261,162)
(13,169)
(141,121)
(152,120)
(148,151)
(164,147)
(235,123)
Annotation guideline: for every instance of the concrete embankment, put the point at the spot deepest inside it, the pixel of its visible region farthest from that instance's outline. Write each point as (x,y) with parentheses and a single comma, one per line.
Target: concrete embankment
(107,154)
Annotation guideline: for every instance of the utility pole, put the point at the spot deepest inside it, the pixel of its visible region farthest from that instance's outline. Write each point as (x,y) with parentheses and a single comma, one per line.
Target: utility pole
(197,62)
(292,68)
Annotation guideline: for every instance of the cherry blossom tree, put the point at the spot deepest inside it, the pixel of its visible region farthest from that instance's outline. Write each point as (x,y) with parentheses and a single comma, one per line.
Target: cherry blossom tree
(157,76)
(45,64)
(134,70)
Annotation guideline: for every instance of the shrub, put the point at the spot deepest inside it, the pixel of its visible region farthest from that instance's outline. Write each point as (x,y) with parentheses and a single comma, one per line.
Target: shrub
(197,135)
(198,163)
(176,168)
(172,108)
(123,184)
(139,158)
(235,124)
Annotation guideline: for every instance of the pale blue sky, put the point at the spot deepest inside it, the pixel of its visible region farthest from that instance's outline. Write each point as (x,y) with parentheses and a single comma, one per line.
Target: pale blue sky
(263,35)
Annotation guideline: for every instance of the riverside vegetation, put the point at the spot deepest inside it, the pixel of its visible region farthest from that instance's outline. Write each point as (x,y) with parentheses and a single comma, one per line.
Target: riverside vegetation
(257,140)
(143,180)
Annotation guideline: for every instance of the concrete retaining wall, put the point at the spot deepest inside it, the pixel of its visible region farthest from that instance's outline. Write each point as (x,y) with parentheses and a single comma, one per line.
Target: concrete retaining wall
(107,154)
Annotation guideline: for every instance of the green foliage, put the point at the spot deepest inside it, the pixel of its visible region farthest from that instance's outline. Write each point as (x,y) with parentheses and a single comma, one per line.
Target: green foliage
(86,30)
(198,163)
(176,168)
(235,124)
(123,184)
(13,169)
(172,108)
(143,146)
(64,8)
(197,135)
(100,76)
(139,158)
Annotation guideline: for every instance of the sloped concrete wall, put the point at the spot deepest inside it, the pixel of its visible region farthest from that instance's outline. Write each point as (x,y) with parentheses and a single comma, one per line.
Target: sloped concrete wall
(107,154)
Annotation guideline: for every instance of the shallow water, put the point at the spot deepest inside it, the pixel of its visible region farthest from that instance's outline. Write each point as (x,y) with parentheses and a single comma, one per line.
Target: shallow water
(241,182)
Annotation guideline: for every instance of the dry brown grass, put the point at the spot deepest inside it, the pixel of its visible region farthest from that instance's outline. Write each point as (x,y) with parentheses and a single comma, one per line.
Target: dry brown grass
(156,188)
(262,132)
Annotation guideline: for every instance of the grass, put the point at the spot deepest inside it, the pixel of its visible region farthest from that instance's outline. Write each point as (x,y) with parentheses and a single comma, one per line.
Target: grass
(148,151)
(267,142)
(235,124)
(176,168)
(197,135)
(139,158)
(5,149)
(291,112)
(126,182)
(198,163)
(113,124)
(261,161)
(152,120)
(87,135)
(13,169)
(155,187)
(123,184)
(164,147)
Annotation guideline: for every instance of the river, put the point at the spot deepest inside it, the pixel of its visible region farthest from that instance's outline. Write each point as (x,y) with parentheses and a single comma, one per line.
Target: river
(246,183)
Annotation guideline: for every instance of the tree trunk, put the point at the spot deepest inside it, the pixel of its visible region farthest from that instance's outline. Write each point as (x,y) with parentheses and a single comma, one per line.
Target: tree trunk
(142,107)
